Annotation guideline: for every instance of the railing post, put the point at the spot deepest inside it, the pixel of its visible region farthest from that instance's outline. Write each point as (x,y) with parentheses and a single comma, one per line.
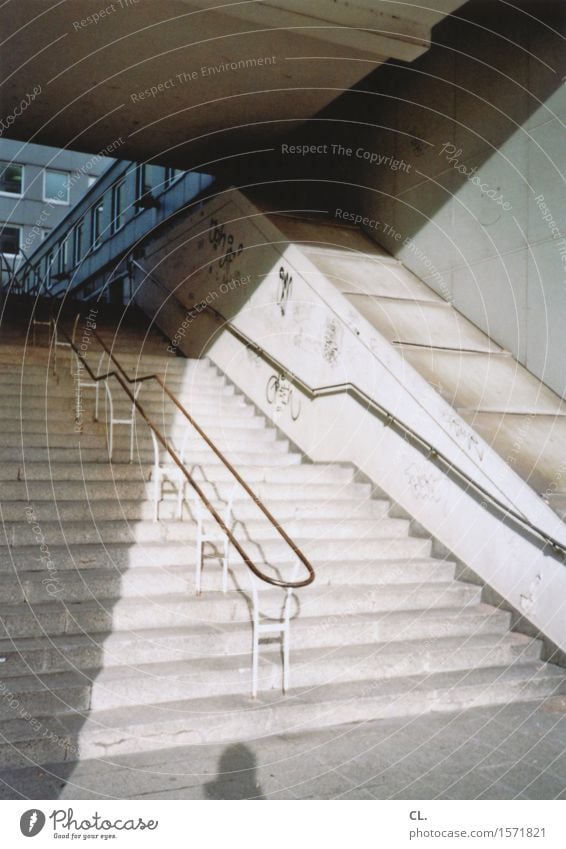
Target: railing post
(109,420)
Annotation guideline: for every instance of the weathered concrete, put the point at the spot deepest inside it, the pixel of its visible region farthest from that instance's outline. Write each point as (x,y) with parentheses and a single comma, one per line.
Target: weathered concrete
(506,752)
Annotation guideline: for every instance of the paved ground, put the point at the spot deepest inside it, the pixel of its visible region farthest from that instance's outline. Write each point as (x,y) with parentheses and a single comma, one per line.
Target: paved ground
(490,753)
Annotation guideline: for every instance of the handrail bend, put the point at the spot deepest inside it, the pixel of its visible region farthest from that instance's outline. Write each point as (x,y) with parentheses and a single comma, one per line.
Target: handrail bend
(124,379)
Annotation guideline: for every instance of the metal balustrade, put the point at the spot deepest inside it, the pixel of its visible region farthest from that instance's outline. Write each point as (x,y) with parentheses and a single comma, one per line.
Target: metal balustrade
(260,626)
(554,547)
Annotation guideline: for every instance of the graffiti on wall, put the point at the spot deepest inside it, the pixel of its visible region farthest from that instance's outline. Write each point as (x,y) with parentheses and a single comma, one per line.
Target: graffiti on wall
(223,242)
(424,484)
(284,287)
(280,392)
(331,341)
(464,435)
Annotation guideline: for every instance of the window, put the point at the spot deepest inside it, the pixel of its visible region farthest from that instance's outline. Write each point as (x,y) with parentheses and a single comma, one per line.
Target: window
(96,224)
(10,239)
(143,184)
(47,269)
(146,180)
(172,174)
(62,255)
(45,234)
(11,179)
(118,192)
(56,186)
(78,241)
(91,181)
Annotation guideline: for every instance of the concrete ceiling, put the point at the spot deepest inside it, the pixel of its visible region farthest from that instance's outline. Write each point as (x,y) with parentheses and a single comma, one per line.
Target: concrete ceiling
(92,62)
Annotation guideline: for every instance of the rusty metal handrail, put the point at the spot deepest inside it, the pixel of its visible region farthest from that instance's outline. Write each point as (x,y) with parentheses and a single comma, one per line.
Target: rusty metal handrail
(123,379)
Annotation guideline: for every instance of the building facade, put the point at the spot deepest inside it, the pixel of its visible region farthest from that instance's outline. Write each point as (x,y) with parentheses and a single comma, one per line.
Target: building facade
(39,185)
(90,249)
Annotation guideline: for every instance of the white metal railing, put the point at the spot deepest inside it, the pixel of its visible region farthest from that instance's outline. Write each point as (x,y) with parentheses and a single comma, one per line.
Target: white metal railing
(261,624)
(54,341)
(260,627)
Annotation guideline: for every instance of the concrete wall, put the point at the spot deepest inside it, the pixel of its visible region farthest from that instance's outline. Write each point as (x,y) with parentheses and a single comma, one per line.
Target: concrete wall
(486,105)
(230,256)
(501,113)
(500,110)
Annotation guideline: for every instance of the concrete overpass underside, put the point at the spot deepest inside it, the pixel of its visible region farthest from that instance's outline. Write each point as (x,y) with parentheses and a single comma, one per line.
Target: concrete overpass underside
(185,82)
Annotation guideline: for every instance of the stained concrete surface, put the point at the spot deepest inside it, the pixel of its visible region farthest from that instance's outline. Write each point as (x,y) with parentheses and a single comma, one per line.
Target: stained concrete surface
(507,752)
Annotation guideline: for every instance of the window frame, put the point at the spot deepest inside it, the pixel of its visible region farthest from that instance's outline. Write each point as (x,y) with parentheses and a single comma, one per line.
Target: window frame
(13,194)
(63,254)
(53,200)
(78,230)
(96,219)
(117,211)
(47,264)
(171,177)
(19,228)
(143,186)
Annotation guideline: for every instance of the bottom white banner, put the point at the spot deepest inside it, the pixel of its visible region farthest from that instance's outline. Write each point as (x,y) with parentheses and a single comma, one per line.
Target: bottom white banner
(361,824)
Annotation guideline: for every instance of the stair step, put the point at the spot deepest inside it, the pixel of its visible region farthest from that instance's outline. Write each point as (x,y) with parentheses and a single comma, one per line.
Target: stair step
(84,583)
(140,354)
(270,551)
(274,495)
(27,384)
(252,534)
(233,437)
(102,470)
(44,383)
(96,650)
(11,359)
(176,367)
(276,456)
(160,357)
(237,718)
(123,557)
(236,416)
(65,398)
(181,609)
(244,509)
(153,683)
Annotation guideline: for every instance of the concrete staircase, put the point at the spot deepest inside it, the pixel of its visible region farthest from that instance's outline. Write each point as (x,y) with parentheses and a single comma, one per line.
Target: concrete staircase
(511,409)
(104,647)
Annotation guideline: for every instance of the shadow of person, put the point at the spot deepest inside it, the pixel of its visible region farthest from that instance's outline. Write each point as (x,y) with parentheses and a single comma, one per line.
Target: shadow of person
(237,775)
